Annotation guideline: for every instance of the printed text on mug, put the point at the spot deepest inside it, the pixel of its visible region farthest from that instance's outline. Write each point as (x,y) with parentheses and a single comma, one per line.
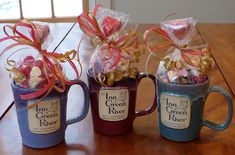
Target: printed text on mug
(175,111)
(44,117)
(113,104)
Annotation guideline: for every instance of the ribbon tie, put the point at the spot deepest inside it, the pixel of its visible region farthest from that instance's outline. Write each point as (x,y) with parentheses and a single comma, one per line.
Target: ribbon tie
(54,75)
(186,51)
(126,43)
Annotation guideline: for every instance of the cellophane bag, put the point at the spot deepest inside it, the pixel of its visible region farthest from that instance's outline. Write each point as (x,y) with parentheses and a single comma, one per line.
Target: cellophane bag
(116,53)
(29,63)
(28,71)
(185,64)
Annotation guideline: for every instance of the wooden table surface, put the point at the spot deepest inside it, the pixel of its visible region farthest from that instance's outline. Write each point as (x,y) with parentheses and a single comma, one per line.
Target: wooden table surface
(145,138)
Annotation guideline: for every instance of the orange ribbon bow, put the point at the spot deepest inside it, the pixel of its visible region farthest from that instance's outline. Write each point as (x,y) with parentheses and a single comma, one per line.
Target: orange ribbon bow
(125,43)
(187,52)
(55,79)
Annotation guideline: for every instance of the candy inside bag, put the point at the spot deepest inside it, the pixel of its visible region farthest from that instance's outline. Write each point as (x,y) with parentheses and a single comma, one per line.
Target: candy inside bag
(116,51)
(27,69)
(104,59)
(42,32)
(39,32)
(111,22)
(43,71)
(29,72)
(183,68)
(180,31)
(111,64)
(30,65)
(185,64)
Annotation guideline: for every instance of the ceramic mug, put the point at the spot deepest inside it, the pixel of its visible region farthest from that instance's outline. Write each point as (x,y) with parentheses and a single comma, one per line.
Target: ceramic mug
(44,124)
(113,107)
(180,109)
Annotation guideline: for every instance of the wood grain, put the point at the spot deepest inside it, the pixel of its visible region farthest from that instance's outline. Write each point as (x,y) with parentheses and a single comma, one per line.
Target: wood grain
(221,38)
(145,138)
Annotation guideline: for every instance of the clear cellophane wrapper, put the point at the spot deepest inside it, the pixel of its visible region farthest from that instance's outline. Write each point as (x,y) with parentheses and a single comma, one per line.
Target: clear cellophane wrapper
(116,53)
(29,63)
(184,64)
(181,31)
(25,64)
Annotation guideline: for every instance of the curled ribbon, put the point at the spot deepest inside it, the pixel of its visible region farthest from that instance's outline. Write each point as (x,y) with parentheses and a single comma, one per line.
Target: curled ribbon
(55,78)
(126,43)
(186,51)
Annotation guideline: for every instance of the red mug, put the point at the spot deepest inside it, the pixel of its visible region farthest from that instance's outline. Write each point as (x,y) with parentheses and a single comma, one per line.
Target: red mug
(113,107)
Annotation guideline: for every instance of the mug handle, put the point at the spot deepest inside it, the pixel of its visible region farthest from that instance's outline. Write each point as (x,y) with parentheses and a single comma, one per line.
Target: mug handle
(151,108)
(85,104)
(215,126)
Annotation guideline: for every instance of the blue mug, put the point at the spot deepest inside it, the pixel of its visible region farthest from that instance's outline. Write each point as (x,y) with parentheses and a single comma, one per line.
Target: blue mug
(43,125)
(180,110)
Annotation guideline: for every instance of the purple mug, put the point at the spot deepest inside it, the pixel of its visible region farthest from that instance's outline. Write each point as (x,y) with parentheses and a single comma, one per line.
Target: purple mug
(44,124)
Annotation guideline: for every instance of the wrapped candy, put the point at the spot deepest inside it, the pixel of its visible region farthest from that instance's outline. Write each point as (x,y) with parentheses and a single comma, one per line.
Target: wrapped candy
(184,64)
(116,51)
(36,69)
(180,31)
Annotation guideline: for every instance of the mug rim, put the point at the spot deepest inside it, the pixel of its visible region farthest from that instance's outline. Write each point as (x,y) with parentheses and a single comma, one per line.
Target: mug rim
(14,84)
(183,85)
(90,75)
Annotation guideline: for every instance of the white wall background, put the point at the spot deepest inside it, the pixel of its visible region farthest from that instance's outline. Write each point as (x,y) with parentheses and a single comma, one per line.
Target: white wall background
(153,11)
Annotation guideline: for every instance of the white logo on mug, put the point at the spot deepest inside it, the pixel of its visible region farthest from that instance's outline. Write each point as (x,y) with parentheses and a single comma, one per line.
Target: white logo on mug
(113,104)
(44,117)
(175,111)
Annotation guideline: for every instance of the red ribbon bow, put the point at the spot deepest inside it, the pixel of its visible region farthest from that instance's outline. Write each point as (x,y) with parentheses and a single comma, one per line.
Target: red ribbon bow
(186,52)
(55,78)
(89,25)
